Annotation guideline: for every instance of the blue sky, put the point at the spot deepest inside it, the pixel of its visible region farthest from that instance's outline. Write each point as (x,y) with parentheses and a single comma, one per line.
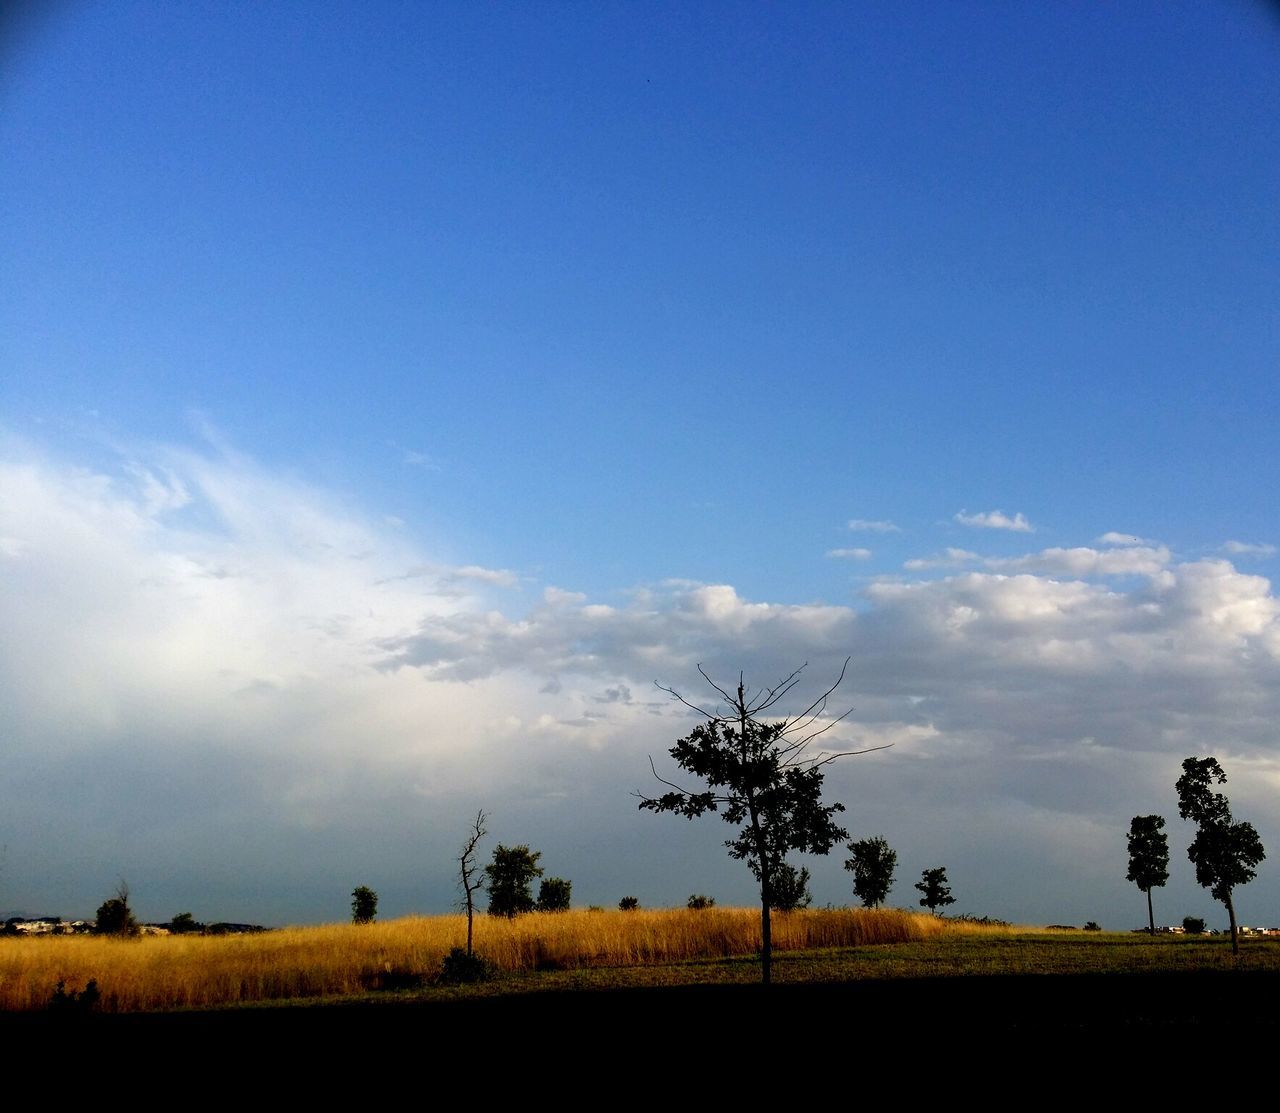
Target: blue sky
(389,394)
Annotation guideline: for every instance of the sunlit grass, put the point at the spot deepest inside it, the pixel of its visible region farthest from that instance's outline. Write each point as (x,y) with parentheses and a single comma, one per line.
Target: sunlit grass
(577,950)
(191,970)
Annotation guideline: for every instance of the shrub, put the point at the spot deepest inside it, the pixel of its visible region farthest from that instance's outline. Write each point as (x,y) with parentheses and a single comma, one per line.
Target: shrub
(629,904)
(364,905)
(1193,925)
(69,1001)
(1092,925)
(698,902)
(459,968)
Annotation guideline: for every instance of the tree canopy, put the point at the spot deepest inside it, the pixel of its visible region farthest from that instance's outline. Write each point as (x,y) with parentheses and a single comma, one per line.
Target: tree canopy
(872,865)
(1148,858)
(511,874)
(760,776)
(937,893)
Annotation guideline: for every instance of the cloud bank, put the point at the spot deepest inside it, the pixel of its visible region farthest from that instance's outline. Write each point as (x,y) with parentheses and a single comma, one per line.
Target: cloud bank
(220,673)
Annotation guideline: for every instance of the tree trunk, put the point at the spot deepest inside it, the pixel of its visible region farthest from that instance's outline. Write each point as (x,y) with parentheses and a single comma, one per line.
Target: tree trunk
(1151,916)
(1231,912)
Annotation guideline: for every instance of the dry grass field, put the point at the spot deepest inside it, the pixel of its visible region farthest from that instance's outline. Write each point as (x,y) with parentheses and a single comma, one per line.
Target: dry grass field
(185,971)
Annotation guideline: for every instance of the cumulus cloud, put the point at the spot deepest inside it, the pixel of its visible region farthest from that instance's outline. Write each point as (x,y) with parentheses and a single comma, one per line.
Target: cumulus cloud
(995,519)
(195,645)
(865,525)
(1249,548)
(1086,562)
(849,554)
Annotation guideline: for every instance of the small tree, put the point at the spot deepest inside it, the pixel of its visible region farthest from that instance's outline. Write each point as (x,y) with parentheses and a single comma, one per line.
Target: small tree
(791,888)
(1148,858)
(183,923)
(469,878)
(872,865)
(510,874)
(699,902)
(553,894)
(1193,925)
(629,904)
(937,893)
(758,772)
(1224,852)
(364,905)
(115,917)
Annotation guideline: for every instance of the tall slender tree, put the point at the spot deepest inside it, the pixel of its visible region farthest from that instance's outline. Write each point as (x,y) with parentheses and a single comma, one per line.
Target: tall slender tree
(1148,858)
(1224,852)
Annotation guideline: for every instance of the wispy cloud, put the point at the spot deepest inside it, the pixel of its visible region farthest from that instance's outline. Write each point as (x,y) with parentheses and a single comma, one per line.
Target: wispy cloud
(849,554)
(1086,562)
(865,525)
(949,558)
(1111,537)
(1249,548)
(995,519)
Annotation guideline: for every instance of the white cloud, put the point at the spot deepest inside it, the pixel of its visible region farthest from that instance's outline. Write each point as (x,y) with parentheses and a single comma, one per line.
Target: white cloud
(1134,561)
(1249,548)
(498,577)
(950,558)
(995,519)
(1111,537)
(865,525)
(849,554)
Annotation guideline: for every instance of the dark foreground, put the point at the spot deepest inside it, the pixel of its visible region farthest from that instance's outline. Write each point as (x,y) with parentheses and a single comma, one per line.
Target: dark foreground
(1047,1014)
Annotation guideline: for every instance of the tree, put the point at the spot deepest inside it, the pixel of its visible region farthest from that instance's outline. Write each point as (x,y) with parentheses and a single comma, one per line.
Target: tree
(699,902)
(937,893)
(183,923)
(629,904)
(364,905)
(114,915)
(760,775)
(1224,852)
(510,874)
(1148,858)
(468,873)
(791,888)
(872,864)
(553,894)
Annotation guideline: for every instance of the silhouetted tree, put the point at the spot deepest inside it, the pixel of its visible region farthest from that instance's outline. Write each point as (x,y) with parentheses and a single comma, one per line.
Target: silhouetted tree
(698,902)
(759,774)
(872,865)
(629,904)
(937,893)
(510,874)
(469,878)
(1224,852)
(364,905)
(1148,858)
(114,914)
(553,894)
(791,888)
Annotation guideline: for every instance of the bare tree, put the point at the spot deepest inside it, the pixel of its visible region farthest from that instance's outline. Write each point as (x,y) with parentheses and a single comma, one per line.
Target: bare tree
(470,875)
(760,774)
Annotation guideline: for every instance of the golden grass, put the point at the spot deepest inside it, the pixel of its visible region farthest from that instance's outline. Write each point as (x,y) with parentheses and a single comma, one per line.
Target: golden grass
(169,972)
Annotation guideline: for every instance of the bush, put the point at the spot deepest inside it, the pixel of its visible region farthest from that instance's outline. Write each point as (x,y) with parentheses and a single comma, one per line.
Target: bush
(698,902)
(69,1001)
(629,904)
(553,894)
(116,918)
(364,905)
(1092,925)
(459,968)
(790,888)
(1193,925)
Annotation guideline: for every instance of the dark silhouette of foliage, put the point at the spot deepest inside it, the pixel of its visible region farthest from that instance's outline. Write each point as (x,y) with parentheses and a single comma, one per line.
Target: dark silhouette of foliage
(183,923)
(629,904)
(73,1002)
(791,888)
(1092,925)
(364,905)
(1224,852)
(697,902)
(1148,858)
(553,894)
(1193,925)
(469,879)
(872,865)
(759,776)
(114,915)
(937,893)
(460,967)
(510,874)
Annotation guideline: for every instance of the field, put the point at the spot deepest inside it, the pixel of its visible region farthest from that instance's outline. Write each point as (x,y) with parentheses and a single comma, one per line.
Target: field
(626,986)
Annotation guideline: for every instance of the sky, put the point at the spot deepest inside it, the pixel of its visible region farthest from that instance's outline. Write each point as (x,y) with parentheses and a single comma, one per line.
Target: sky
(394,398)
